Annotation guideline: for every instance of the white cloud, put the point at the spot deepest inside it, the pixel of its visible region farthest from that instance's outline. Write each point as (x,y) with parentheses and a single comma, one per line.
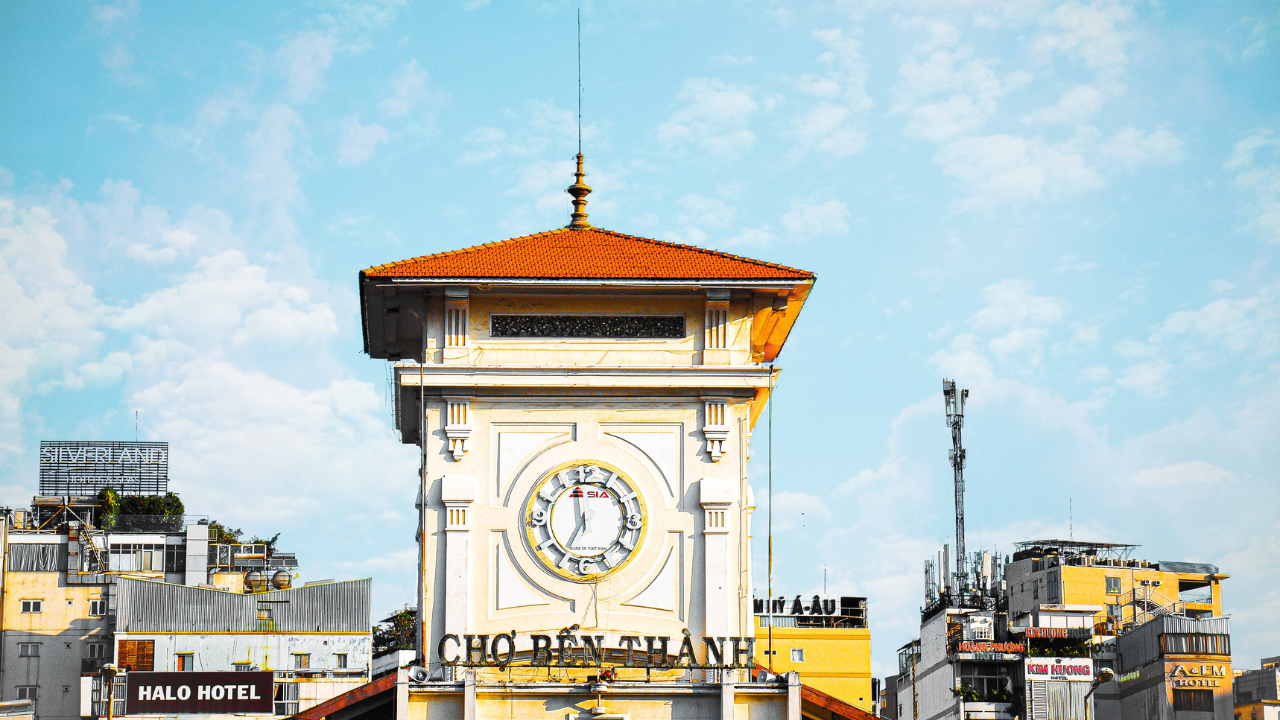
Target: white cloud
(1241,325)
(302,63)
(1196,473)
(109,15)
(1072,263)
(964,359)
(1095,374)
(1076,106)
(714,117)
(358,142)
(809,218)
(1010,304)
(829,128)
(1095,33)
(270,177)
(50,317)
(950,93)
(227,302)
(409,87)
(1148,379)
(705,212)
(1259,181)
(1131,147)
(1003,169)
(826,129)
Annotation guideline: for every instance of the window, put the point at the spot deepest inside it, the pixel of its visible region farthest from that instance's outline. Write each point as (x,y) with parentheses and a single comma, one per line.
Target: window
(1113,611)
(32,606)
(265,623)
(97,608)
(137,557)
(243,667)
(137,655)
(985,678)
(301,661)
(286,698)
(175,558)
(1113,586)
(97,650)
(1053,584)
(1195,700)
(1035,590)
(28,649)
(186,662)
(1195,644)
(340,661)
(797,655)
(27,692)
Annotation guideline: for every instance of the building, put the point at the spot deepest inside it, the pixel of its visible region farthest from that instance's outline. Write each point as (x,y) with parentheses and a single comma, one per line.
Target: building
(1129,595)
(308,644)
(1131,591)
(583,401)
(826,640)
(888,707)
(1172,665)
(1257,692)
(64,555)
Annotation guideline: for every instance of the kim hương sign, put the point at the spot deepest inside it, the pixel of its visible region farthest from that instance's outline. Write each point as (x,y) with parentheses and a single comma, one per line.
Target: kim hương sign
(84,467)
(1076,669)
(199,693)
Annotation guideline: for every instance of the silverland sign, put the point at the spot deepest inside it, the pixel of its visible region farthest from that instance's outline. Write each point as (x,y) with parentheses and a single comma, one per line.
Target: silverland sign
(568,650)
(184,693)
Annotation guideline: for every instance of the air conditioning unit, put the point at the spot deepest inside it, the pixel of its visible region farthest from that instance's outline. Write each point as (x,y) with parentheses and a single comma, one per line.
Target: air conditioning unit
(1146,583)
(1156,583)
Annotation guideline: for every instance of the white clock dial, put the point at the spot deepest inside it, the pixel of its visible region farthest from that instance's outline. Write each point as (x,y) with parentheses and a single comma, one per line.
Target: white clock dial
(584,520)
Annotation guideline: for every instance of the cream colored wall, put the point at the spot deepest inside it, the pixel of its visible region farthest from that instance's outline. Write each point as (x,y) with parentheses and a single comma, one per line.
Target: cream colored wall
(64,630)
(658,445)
(484,350)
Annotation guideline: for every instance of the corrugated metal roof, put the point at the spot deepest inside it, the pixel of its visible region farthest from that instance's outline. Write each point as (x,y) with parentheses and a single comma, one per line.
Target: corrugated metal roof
(1186,567)
(145,606)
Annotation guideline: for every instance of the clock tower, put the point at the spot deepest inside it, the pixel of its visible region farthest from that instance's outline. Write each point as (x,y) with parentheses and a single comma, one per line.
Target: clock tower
(583,400)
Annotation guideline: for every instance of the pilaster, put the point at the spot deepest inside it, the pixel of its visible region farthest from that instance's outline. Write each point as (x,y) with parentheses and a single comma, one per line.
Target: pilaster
(716,497)
(457,492)
(715,344)
(457,324)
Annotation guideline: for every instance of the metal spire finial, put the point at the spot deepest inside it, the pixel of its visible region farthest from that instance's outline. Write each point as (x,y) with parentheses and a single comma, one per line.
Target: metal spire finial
(579,190)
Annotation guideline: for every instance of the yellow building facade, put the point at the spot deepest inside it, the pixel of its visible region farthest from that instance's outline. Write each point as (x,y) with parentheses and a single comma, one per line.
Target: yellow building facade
(1130,591)
(836,661)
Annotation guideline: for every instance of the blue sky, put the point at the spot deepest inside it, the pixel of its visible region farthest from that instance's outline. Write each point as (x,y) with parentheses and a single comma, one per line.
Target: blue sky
(1072,208)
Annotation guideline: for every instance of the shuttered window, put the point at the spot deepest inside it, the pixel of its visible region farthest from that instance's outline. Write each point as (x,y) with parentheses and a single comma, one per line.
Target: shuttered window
(137,654)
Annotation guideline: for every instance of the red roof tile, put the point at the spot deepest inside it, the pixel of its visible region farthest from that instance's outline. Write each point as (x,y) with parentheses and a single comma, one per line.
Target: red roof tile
(589,253)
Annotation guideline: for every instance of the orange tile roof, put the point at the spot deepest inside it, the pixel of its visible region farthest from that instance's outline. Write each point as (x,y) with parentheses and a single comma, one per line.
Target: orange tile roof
(589,253)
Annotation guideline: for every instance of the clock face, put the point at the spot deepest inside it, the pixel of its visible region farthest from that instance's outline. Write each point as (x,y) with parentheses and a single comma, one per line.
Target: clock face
(585,520)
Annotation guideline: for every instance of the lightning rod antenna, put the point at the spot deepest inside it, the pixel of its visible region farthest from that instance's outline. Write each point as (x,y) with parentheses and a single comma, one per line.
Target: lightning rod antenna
(579,81)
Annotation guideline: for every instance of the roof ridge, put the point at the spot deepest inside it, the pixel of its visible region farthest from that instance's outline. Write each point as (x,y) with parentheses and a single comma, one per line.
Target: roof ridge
(615,233)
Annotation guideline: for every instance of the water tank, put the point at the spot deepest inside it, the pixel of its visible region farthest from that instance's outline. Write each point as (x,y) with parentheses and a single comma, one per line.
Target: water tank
(281,580)
(255,581)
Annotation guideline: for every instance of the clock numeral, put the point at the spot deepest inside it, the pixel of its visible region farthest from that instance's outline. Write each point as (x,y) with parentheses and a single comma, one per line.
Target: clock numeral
(538,517)
(633,521)
(586,567)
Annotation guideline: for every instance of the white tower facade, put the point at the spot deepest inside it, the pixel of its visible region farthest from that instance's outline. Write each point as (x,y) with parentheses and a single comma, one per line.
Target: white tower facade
(584,400)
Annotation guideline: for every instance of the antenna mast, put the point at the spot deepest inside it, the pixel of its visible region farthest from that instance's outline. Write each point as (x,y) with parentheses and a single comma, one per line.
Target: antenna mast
(579,81)
(955,420)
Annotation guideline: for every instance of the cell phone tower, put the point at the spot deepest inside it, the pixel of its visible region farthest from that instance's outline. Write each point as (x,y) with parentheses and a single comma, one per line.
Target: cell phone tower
(955,420)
